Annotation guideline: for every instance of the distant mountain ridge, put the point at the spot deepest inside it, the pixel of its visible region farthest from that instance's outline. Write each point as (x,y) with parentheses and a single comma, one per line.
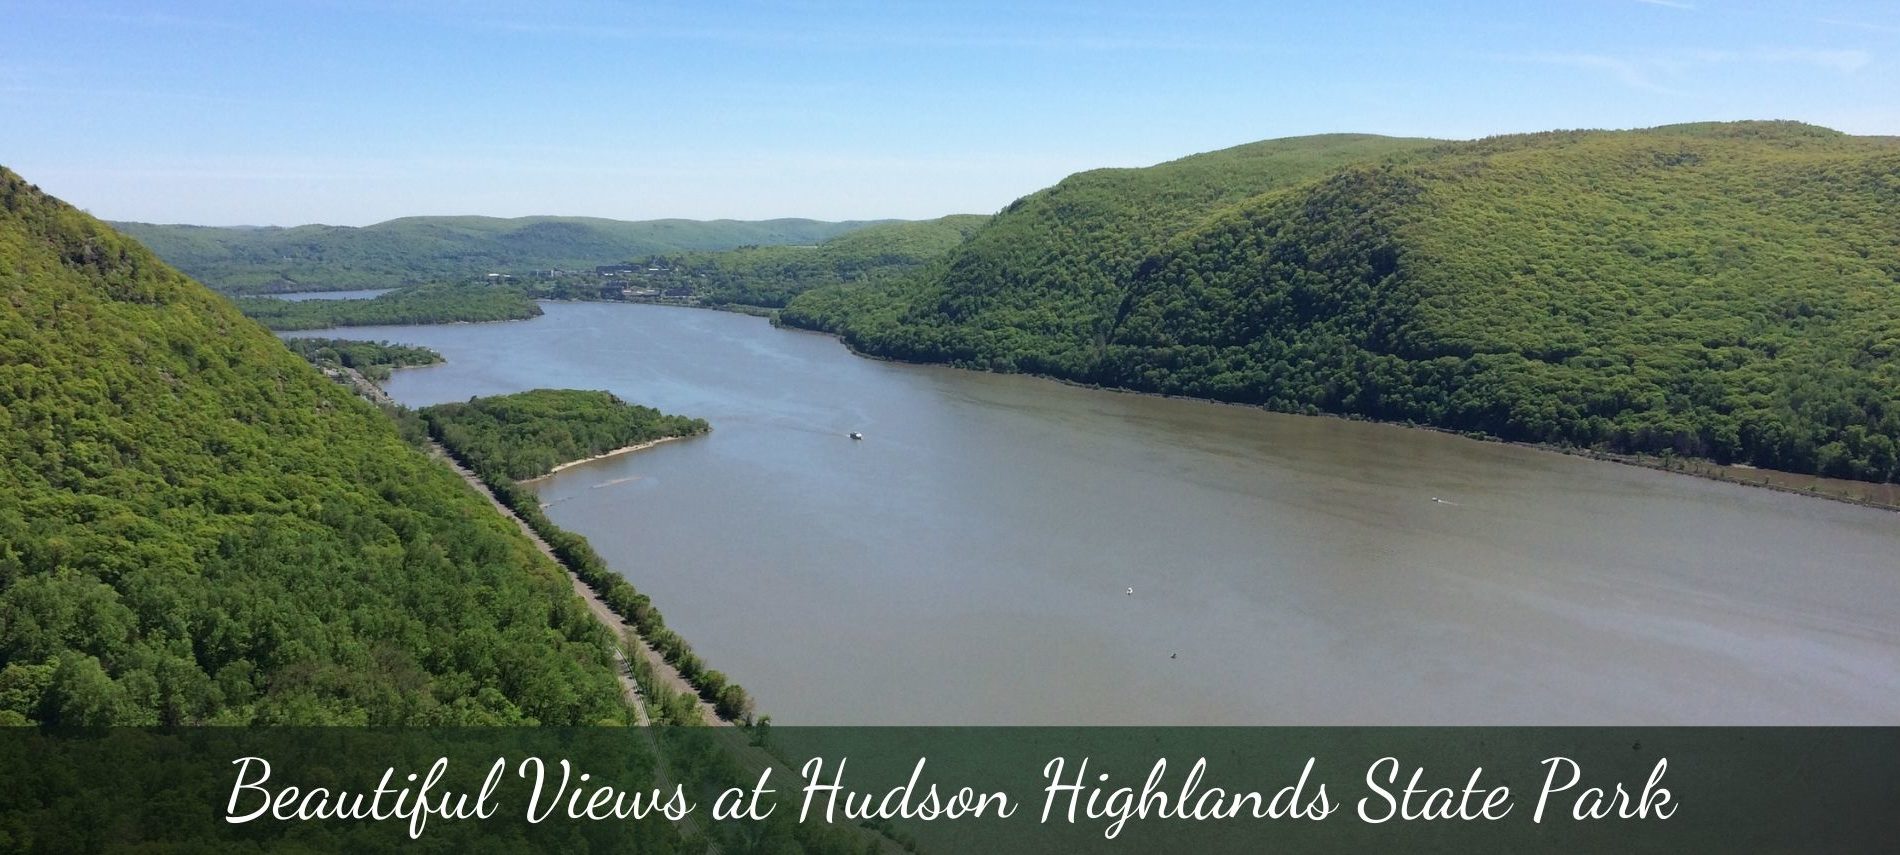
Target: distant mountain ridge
(1719,290)
(769,276)
(266,259)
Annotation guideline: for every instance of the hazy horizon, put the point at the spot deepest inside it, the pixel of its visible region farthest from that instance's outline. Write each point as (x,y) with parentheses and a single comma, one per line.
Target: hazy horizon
(345,112)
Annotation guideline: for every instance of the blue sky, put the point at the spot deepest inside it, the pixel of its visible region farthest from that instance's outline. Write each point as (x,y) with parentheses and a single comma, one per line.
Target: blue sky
(349,112)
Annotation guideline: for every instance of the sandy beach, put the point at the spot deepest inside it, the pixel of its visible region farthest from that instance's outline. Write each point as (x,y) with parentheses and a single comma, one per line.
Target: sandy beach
(614,453)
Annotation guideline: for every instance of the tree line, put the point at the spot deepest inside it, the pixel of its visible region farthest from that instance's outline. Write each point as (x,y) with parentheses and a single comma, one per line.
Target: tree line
(198,528)
(523,435)
(373,359)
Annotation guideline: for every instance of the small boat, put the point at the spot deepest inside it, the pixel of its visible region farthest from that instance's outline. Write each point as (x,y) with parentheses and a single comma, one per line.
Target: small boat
(856,435)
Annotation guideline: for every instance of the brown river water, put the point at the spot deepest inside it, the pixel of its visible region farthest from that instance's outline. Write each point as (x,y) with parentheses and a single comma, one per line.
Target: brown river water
(968,561)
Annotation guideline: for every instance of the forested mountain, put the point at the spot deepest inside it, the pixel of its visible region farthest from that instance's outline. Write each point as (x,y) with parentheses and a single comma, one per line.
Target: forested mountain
(245,259)
(771,275)
(1721,290)
(196,526)
(1044,271)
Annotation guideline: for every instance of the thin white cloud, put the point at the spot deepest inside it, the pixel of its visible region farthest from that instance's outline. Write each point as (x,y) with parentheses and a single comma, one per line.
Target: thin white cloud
(852,40)
(1860,25)
(1626,71)
(1660,72)
(1843,61)
(154,20)
(104,94)
(1673,4)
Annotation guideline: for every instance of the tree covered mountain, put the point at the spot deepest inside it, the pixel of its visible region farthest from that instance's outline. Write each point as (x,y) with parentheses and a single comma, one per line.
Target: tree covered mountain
(771,276)
(243,259)
(197,527)
(1722,290)
(1044,271)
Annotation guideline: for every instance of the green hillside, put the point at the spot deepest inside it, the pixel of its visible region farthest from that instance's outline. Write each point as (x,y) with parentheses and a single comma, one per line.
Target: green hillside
(196,526)
(1042,275)
(772,275)
(416,249)
(1721,290)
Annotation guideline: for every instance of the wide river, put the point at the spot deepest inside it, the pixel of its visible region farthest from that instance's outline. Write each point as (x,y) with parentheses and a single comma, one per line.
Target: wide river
(968,561)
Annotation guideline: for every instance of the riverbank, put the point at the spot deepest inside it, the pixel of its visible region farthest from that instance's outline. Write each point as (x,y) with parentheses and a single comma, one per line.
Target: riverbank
(1867,494)
(992,515)
(628,638)
(653,664)
(638,446)
(1863,493)
(1884,497)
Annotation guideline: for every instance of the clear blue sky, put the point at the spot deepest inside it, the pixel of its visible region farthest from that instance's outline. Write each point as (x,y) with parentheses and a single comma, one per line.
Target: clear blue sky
(353,111)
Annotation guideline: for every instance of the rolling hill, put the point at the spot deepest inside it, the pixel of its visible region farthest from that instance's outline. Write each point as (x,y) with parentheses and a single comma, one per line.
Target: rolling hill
(770,276)
(1044,271)
(1723,290)
(243,260)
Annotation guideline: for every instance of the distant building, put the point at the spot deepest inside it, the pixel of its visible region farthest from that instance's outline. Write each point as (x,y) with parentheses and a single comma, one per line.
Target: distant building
(616,269)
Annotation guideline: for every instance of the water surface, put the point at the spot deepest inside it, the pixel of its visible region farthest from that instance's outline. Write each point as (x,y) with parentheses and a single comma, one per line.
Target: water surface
(967,562)
(299,296)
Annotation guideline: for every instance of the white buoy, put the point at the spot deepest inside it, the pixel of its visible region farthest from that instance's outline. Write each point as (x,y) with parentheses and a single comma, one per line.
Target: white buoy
(1131,592)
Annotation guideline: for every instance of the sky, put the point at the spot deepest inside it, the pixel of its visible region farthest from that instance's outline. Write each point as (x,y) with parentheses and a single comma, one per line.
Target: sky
(350,112)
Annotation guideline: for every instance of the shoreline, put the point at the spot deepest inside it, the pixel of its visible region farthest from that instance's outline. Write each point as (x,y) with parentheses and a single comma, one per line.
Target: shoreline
(662,671)
(1866,494)
(625,449)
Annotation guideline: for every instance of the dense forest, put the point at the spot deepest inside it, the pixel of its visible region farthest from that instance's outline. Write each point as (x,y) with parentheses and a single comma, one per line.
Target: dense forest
(422,304)
(197,527)
(1045,269)
(412,250)
(770,276)
(507,437)
(372,359)
(1729,291)
(527,434)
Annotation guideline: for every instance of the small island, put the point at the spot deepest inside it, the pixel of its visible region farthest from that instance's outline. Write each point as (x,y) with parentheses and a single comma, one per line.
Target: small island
(421,304)
(530,434)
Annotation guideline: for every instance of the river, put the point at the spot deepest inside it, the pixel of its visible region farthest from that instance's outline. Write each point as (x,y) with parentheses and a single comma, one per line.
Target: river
(968,561)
